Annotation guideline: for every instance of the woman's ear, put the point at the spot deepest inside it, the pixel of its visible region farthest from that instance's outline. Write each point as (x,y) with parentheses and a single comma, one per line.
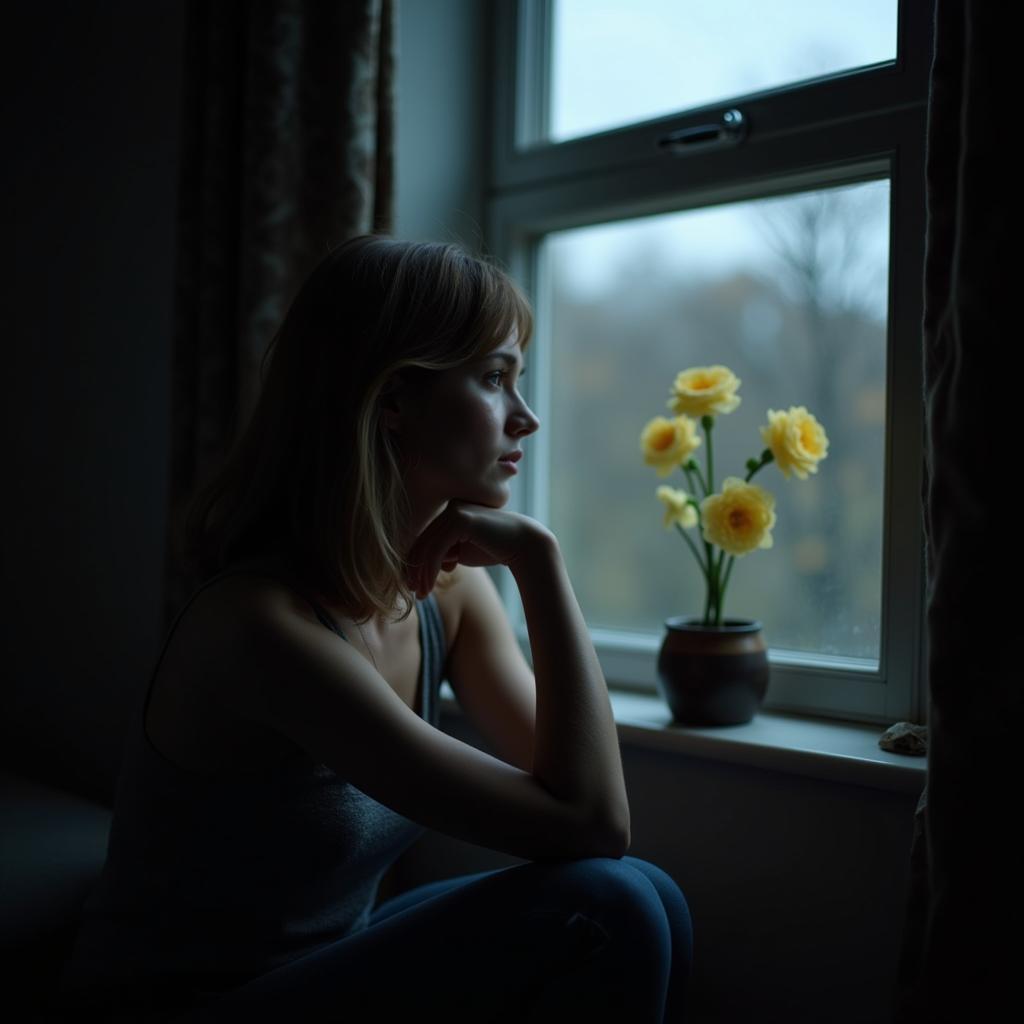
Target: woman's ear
(402,400)
(390,414)
(392,404)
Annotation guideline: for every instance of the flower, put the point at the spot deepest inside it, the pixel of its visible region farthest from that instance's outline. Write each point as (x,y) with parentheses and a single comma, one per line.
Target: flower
(704,391)
(740,519)
(796,440)
(677,507)
(669,443)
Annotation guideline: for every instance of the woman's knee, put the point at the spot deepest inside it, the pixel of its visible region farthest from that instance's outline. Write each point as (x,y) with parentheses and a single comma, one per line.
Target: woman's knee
(674,902)
(665,885)
(612,892)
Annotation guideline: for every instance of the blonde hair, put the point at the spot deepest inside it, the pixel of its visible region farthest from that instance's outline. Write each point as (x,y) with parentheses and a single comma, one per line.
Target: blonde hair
(314,469)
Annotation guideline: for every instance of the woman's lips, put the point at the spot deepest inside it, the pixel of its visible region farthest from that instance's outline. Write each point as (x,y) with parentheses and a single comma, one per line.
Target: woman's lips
(509,461)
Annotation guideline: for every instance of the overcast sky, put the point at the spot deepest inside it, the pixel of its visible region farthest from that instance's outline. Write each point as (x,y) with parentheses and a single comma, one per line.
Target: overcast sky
(616,62)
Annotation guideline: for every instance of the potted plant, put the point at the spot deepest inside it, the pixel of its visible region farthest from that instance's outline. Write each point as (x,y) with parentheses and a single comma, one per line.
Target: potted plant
(713,670)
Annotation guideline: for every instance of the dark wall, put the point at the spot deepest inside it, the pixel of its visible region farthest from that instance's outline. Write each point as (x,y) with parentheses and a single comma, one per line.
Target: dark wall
(90,180)
(91,172)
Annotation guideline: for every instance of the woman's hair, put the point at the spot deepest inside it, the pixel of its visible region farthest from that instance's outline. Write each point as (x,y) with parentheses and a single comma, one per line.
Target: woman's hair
(315,468)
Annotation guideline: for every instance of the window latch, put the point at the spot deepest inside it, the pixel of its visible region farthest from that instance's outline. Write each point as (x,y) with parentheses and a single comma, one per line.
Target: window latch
(730,130)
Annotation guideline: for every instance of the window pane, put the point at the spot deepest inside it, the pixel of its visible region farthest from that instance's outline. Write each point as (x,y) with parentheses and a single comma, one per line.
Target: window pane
(791,294)
(615,63)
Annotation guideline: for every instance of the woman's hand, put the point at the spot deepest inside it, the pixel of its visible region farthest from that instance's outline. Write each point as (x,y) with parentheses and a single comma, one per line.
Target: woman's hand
(469,534)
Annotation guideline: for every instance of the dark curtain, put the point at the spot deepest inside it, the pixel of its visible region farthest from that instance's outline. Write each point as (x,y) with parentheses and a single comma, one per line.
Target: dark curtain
(963,926)
(287,138)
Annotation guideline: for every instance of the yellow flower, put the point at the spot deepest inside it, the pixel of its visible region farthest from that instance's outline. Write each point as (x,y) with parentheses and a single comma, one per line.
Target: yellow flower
(667,444)
(704,391)
(796,439)
(739,519)
(677,507)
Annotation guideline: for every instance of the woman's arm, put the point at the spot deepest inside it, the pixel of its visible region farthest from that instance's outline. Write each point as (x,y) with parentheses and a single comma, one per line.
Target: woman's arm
(576,748)
(277,666)
(576,751)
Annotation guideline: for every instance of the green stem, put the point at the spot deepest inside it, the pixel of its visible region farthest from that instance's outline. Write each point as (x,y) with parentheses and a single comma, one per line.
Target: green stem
(693,548)
(720,588)
(728,571)
(711,604)
(707,422)
(689,481)
(755,466)
(712,579)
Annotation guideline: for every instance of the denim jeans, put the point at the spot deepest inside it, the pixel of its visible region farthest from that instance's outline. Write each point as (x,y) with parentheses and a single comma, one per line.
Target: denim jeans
(595,939)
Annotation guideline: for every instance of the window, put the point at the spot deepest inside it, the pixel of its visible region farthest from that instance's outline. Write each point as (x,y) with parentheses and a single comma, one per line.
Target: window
(686,184)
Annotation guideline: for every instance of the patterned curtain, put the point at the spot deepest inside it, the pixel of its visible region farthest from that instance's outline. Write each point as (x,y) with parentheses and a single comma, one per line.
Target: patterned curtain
(963,922)
(287,150)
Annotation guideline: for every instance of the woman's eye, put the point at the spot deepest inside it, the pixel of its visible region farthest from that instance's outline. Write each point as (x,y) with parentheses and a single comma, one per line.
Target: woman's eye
(495,378)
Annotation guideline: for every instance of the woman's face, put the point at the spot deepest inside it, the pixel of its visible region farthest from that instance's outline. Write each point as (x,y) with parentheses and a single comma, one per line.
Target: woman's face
(455,434)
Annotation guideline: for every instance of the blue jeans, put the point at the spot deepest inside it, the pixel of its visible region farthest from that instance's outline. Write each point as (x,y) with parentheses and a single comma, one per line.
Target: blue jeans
(595,939)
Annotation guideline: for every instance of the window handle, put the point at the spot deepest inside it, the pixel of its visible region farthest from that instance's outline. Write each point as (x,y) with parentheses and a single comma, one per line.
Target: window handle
(731,129)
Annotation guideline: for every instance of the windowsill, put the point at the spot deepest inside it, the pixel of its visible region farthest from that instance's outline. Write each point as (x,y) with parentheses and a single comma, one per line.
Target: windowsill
(843,752)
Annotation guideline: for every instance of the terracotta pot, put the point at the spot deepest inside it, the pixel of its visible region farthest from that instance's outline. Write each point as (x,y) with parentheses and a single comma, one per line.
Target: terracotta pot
(712,675)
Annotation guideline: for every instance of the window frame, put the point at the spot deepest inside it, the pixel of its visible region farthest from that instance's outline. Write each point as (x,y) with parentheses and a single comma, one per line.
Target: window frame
(841,129)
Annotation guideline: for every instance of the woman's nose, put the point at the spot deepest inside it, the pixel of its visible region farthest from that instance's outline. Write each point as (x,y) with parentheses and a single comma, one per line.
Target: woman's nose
(524,421)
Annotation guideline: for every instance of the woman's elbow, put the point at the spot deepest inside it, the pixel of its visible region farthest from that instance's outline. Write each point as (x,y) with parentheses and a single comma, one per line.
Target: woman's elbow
(613,841)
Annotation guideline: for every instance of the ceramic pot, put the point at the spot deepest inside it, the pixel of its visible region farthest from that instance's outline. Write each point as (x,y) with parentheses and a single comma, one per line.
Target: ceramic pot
(712,675)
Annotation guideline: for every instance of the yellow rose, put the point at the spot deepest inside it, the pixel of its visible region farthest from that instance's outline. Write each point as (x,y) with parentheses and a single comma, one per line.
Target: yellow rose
(739,519)
(796,439)
(667,444)
(677,507)
(704,391)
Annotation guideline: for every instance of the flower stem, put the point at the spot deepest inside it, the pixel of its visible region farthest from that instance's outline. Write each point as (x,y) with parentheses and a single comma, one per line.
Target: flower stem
(755,465)
(728,571)
(712,602)
(707,422)
(720,605)
(696,553)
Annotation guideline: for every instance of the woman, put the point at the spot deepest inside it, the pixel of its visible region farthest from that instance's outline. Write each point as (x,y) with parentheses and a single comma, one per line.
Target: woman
(288,748)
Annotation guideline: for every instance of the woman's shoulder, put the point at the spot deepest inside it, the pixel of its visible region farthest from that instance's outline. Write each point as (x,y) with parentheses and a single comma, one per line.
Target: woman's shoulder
(193,716)
(256,585)
(211,636)
(264,593)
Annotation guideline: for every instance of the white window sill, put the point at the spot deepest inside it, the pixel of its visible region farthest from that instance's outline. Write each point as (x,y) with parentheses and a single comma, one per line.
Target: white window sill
(843,752)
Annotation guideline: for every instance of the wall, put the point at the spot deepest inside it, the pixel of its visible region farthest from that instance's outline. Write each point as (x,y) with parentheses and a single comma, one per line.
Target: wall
(92,187)
(93,181)
(442,115)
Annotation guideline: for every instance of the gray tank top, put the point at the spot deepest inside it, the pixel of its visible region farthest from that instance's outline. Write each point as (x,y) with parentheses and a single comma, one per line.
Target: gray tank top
(211,881)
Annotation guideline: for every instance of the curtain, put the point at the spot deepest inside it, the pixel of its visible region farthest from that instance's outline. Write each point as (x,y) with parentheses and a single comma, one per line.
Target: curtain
(963,922)
(287,150)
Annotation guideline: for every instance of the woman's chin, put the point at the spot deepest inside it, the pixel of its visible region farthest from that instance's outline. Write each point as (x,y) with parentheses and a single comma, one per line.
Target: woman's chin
(495,496)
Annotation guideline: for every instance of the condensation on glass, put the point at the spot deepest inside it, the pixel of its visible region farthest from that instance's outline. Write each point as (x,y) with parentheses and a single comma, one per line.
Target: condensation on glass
(613,63)
(791,294)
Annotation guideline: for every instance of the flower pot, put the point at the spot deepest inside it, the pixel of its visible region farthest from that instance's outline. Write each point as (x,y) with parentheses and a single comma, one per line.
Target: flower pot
(712,675)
